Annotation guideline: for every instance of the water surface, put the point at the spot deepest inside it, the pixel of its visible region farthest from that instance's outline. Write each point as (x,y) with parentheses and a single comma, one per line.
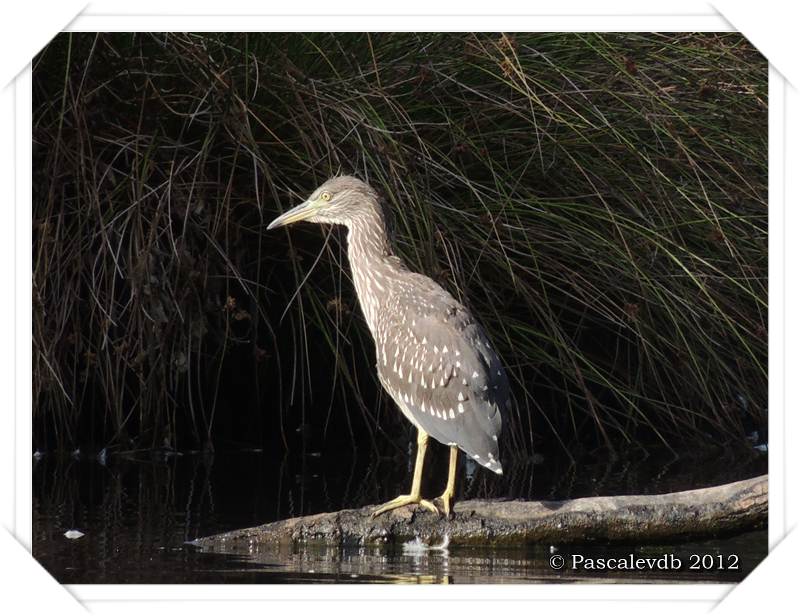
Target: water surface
(138,512)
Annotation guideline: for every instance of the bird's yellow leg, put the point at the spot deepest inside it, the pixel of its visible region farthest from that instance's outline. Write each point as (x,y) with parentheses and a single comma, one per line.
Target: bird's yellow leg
(415,497)
(450,490)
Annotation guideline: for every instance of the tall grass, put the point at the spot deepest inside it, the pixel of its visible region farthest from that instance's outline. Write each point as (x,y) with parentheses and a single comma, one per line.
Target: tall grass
(598,200)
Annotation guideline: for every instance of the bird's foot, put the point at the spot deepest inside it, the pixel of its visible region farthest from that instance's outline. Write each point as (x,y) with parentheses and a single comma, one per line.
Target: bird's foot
(402,501)
(446,498)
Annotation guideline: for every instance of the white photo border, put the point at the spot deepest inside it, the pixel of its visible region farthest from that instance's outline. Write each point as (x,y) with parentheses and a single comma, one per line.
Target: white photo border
(101,19)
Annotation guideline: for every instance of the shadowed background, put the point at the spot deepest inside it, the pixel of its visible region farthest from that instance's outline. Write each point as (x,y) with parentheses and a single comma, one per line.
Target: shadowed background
(599,201)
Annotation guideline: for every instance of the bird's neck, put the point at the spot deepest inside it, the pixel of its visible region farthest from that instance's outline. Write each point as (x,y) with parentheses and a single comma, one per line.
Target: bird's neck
(371,261)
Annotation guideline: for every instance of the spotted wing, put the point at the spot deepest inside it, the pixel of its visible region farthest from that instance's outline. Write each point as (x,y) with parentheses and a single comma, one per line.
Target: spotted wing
(436,362)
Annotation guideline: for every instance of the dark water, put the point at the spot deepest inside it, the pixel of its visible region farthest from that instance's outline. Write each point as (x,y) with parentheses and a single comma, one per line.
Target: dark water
(138,511)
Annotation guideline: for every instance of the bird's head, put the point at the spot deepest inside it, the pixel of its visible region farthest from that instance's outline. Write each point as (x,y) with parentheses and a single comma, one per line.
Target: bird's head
(341,200)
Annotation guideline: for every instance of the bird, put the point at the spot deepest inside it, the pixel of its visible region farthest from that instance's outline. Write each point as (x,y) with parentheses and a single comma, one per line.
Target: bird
(432,356)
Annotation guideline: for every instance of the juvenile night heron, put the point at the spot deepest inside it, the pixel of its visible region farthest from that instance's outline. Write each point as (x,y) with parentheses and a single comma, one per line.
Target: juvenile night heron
(433,357)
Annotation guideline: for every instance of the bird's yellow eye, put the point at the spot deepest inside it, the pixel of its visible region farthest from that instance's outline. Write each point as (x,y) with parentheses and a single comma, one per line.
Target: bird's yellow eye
(326,196)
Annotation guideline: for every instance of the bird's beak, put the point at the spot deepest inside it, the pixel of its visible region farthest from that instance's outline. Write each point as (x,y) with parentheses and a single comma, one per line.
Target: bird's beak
(301,212)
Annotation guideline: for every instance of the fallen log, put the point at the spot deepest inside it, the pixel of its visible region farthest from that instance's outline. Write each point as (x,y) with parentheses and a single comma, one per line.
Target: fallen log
(648,518)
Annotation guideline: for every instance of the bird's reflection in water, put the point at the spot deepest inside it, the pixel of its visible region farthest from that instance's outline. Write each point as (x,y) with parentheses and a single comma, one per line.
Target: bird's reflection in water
(425,557)
(355,565)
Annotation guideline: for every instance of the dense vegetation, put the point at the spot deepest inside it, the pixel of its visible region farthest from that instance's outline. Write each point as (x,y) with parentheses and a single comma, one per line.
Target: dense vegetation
(598,200)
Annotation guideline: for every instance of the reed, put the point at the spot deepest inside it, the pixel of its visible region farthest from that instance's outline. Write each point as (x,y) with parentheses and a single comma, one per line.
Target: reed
(598,200)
